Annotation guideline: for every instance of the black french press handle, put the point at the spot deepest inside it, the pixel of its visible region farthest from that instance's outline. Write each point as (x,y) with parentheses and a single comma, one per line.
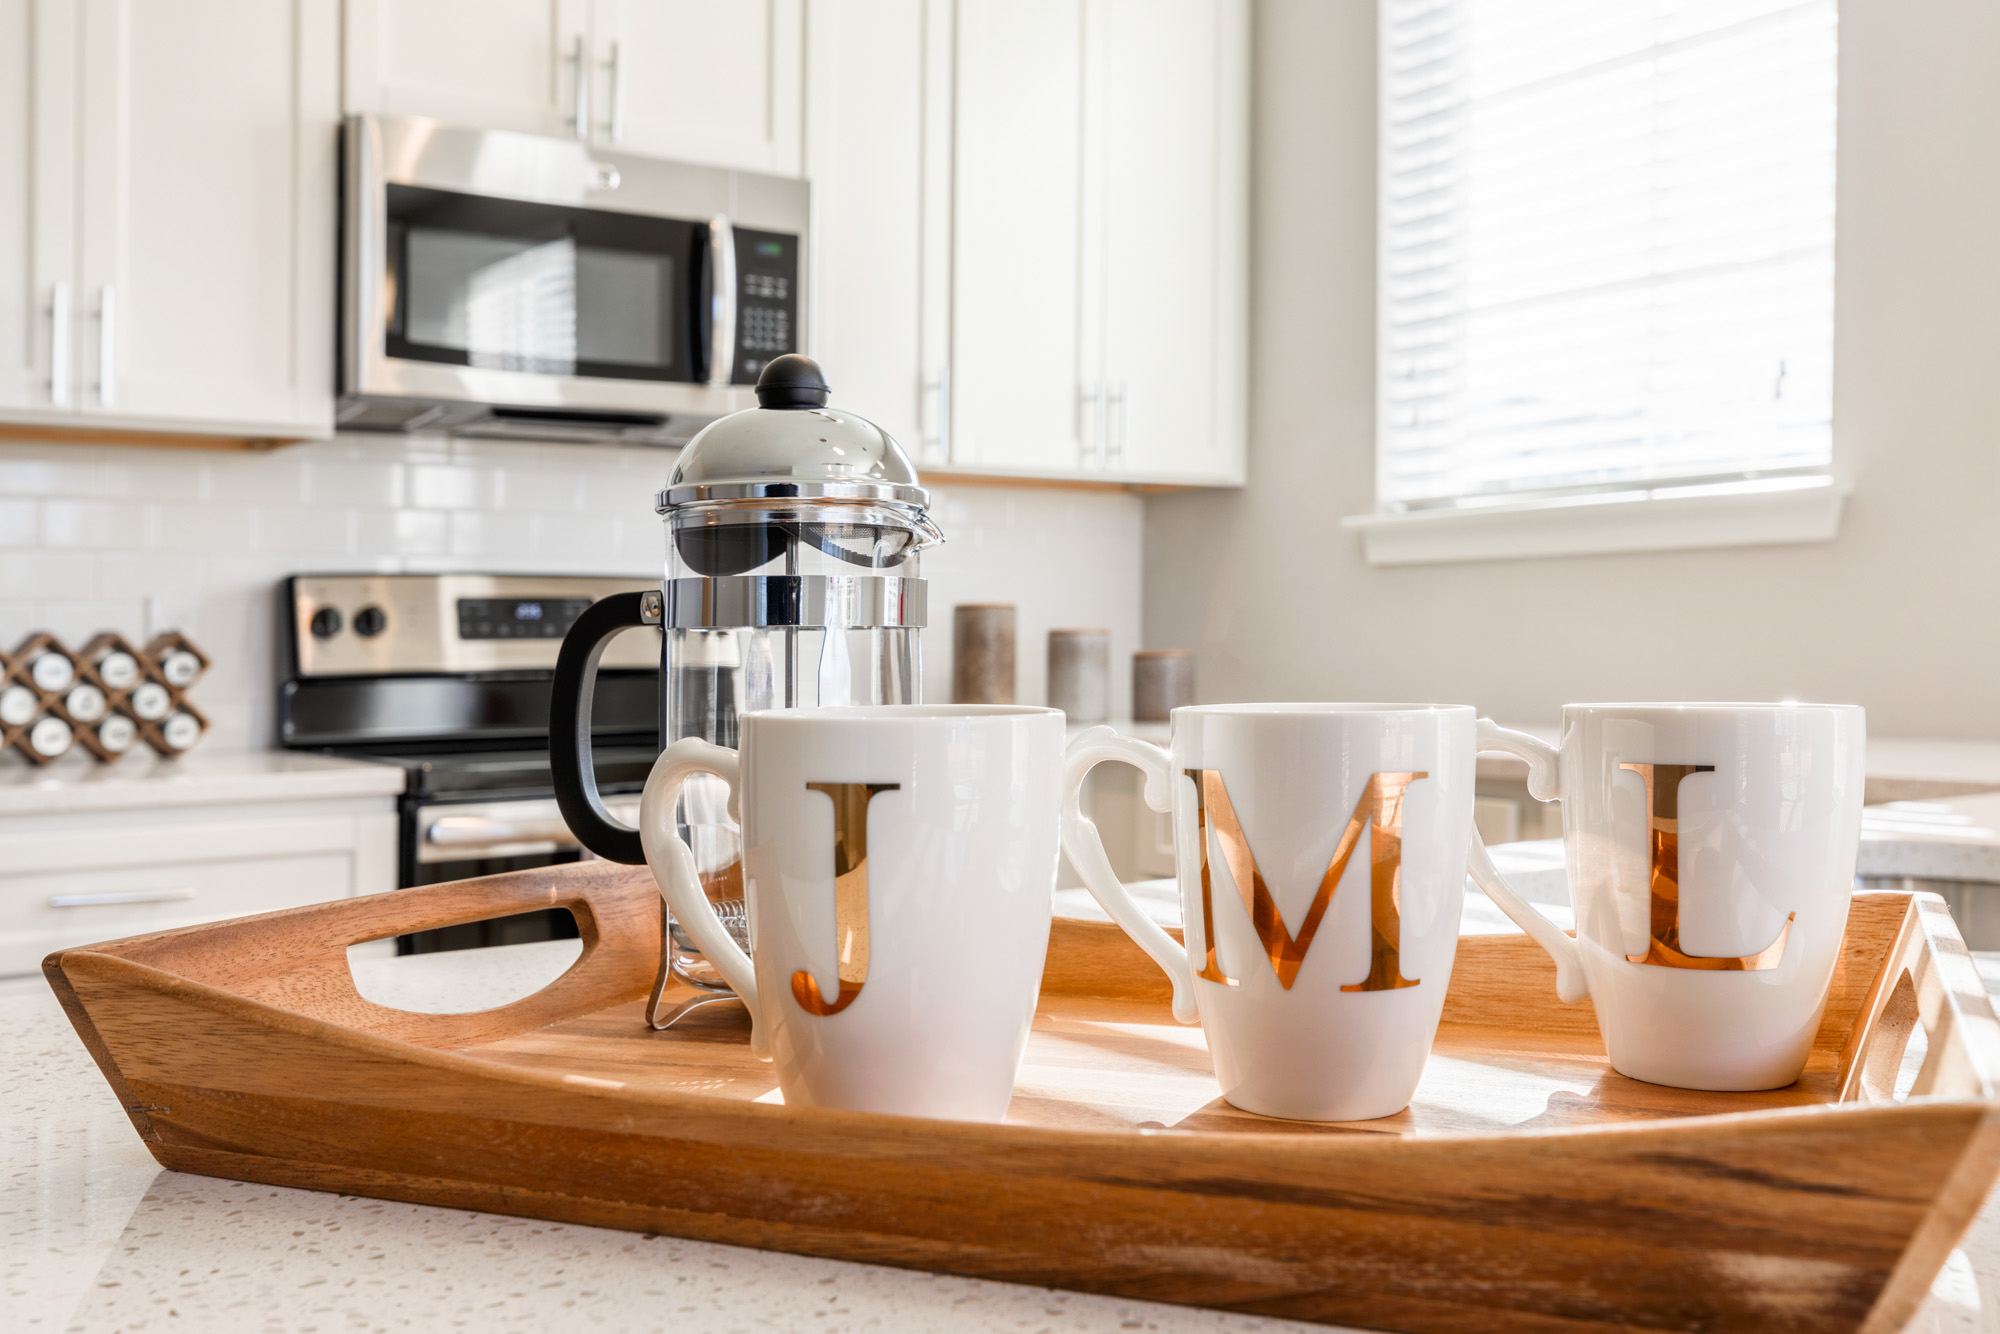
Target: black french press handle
(569,727)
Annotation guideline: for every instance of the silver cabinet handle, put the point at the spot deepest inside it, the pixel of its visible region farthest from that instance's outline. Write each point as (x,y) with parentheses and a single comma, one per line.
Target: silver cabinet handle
(722,309)
(615,124)
(107,346)
(120,896)
(1099,407)
(580,92)
(943,438)
(1123,393)
(59,345)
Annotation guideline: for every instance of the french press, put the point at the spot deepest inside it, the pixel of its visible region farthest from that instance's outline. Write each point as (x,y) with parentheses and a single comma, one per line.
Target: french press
(795,534)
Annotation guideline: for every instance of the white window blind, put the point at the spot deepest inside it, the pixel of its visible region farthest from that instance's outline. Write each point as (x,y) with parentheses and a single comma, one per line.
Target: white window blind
(1606,245)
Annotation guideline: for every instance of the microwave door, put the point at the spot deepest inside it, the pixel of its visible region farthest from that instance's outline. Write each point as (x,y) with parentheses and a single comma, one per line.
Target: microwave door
(507,287)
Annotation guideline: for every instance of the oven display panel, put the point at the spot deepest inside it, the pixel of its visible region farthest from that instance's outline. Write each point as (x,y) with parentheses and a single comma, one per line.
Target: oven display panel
(518,618)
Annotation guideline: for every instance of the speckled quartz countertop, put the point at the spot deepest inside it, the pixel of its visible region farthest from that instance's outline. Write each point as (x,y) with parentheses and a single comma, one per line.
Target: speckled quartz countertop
(96,1236)
(199,778)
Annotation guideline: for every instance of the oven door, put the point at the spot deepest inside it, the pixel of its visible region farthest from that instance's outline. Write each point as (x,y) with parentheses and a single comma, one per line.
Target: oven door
(460,840)
(544,275)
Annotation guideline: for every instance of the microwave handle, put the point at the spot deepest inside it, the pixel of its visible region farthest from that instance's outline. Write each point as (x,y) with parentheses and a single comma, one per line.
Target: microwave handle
(722,302)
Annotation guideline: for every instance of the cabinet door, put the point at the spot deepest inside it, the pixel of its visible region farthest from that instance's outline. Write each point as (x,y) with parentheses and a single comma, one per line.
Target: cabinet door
(1020,355)
(702,81)
(1173,251)
(208,214)
(489,64)
(37,218)
(864,153)
(134,872)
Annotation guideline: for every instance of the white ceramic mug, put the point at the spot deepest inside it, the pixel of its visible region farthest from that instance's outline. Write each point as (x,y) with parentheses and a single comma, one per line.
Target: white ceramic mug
(899,864)
(1711,854)
(1321,853)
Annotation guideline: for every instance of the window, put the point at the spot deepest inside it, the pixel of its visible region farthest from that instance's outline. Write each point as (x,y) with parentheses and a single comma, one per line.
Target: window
(1606,265)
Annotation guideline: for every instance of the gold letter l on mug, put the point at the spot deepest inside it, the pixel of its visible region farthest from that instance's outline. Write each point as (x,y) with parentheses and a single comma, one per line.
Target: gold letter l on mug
(1381,806)
(850,896)
(1663,945)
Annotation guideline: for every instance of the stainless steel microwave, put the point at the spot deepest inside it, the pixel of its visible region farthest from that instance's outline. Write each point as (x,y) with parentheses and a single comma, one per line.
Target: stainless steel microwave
(499,284)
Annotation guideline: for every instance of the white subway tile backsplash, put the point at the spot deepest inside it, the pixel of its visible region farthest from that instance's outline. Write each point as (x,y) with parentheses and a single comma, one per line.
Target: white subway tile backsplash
(119,477)
(47,576)
(75,622)
(18,620)
(17,523)
(421,533)
(132,574)
(142,540)
(339,480)
(23,473)
(304,529)
(442,486)
(277,477)
(92,523)
(203,527)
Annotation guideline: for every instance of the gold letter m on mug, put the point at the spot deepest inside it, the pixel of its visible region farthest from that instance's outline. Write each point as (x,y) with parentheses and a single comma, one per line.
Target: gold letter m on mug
(1381,810)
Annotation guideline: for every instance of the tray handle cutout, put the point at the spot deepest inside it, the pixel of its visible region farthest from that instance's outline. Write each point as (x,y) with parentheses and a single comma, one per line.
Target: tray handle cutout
(1927,984)
(463,969)
(296,959)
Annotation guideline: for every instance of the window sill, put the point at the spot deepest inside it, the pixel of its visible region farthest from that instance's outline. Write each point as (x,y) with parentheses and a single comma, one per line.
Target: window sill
(1655,519)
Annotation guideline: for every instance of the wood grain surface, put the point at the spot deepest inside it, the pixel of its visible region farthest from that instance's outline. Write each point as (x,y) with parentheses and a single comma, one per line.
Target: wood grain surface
(1527,1187)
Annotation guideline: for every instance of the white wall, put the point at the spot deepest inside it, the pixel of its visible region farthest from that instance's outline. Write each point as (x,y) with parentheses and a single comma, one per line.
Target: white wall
(1901,612)
(139,540)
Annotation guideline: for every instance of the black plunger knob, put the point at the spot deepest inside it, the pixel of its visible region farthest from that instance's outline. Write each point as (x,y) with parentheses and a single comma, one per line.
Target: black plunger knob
(792,381)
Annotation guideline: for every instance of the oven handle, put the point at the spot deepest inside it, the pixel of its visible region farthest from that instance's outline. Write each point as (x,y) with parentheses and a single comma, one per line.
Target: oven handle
(569,723)
(492,831)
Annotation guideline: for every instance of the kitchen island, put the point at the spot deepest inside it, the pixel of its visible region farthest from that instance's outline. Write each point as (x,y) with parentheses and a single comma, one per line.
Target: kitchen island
(94,1235)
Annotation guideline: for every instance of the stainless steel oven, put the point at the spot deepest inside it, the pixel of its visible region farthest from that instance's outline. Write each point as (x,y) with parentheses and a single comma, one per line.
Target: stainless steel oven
(503,284)
(448,677)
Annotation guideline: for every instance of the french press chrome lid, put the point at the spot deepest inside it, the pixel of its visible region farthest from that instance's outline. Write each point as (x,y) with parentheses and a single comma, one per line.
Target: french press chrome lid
(795,534)
(793,513)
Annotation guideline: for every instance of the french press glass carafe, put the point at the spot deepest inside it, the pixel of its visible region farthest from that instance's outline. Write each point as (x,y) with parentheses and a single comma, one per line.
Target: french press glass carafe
(793,578)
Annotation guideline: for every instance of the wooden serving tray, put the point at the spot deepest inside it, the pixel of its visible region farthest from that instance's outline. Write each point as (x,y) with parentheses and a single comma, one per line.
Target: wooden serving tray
(1527,1188)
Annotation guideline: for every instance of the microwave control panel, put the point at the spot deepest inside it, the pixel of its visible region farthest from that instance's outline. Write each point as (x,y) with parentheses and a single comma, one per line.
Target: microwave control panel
(767,300)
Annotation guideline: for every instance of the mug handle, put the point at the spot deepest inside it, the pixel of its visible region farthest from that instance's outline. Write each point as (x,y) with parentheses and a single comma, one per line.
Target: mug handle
(673,866)
(1544,784)
(1085,847)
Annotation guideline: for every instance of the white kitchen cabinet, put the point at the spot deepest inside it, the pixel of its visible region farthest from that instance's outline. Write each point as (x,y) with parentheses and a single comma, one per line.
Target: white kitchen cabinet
(89,854)
(1171,255)
(1023,315)
(1099,240)
(1067,219)
(702,81)
(689,79)
(491,64)
(56,893)
(208,173)
(168,175)
(37,198)
(869,305)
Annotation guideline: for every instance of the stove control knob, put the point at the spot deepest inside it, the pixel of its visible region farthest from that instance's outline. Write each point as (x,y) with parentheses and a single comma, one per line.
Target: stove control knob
(370,621)
(326,623)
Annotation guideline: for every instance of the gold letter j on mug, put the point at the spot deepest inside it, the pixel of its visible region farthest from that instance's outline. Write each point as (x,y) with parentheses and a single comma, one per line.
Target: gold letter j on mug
(850,896)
